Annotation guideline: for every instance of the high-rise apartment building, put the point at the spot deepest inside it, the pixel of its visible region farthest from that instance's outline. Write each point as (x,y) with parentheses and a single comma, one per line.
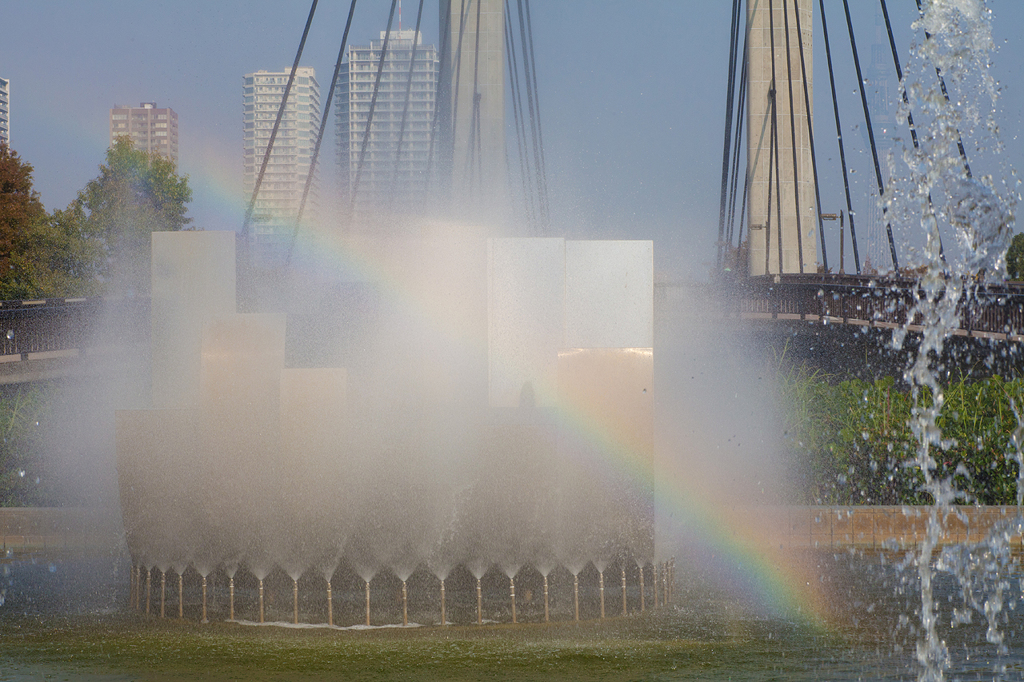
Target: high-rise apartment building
(398,143)
(5,110)
(150,128)
(280,195)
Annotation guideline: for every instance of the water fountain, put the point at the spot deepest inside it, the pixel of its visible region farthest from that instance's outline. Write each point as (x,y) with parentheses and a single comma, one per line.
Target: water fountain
(287,471)
(247,530)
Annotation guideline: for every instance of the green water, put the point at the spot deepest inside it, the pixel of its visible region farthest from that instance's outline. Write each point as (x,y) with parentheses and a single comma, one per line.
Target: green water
(658,647)
(866,631)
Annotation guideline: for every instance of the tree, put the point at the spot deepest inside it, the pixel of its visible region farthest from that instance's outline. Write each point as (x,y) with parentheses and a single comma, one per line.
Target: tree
(1015,258)
(21,211)
(60,257)
(135,194)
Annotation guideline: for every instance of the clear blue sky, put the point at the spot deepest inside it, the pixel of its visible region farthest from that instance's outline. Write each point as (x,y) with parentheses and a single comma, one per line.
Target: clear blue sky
(632,98)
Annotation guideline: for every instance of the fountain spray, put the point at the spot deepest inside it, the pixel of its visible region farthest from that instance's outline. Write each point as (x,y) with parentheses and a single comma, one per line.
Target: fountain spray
(444,620)
(367,603)
(654,569)
(546,619)
(512,591)
(405,604)
(643,599)
(295,599)
(479,604)
(600,582)
(330,605)
(181,597)
(261,599)
(132,585)
(576,594)
(623,589)
(672,579)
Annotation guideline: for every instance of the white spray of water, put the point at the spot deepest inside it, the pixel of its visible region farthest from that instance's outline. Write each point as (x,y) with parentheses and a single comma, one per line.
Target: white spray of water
(938,191)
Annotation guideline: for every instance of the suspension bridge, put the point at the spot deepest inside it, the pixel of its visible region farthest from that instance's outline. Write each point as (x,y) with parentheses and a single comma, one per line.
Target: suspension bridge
(772,256)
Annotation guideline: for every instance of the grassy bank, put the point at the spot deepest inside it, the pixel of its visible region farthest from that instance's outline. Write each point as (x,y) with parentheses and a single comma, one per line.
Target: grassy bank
(852,442)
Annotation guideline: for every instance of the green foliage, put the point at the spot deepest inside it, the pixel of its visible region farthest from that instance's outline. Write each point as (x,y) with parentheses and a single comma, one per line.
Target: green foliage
(61,258)
(100,243)
(23,481)
(21,211)
(852,441)
(135,194)
(1015,258)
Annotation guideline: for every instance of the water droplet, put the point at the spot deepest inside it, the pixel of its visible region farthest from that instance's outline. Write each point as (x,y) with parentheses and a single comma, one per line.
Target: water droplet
(21,473)
(53,568)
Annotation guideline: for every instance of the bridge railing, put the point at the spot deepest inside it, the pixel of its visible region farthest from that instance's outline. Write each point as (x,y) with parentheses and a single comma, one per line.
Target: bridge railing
(65,324)
(991,311)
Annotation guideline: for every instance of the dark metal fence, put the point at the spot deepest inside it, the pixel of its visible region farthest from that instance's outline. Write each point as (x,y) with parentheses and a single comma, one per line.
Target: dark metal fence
(48,325)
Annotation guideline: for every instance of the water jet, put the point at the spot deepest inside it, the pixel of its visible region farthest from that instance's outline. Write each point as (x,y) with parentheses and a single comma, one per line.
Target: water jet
(624,612)
(444,619)
(330,605)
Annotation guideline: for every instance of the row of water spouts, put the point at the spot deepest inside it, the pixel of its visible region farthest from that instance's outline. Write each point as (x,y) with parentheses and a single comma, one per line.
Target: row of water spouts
(142,577)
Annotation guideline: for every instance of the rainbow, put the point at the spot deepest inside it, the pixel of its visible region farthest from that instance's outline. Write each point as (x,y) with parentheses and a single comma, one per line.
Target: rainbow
(733,544)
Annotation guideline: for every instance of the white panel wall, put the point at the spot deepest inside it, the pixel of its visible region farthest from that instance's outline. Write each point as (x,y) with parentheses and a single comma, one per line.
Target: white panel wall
(525,313)
(193,281)
(609,294)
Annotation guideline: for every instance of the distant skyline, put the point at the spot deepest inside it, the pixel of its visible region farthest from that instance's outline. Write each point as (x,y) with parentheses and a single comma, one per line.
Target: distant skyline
(284,179)
(151,128)
(632,102)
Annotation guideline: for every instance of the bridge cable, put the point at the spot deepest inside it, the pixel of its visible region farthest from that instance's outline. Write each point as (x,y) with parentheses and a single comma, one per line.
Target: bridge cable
(463,13)
(323,126)
(535,133)
(749,175)
(942,85)
(373,106)
(730,89)
(277,123)
(771,157)
(741,126)
(778,172)
(474,124)
(541,161)
(792,134)
(871,136)
(405,105)
(443,66)
(517,106)
(839,137)
(906,101)
(741,102)
(810,136)
(775,132)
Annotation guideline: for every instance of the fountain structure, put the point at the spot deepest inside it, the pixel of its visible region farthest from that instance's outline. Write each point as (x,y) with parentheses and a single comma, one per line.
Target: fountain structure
(494,410)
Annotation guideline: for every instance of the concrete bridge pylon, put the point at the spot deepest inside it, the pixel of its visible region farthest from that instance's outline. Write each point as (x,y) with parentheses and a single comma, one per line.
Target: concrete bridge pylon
(774,133)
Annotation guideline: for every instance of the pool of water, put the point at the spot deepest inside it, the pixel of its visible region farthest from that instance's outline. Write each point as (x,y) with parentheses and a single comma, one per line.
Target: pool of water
(55,626)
